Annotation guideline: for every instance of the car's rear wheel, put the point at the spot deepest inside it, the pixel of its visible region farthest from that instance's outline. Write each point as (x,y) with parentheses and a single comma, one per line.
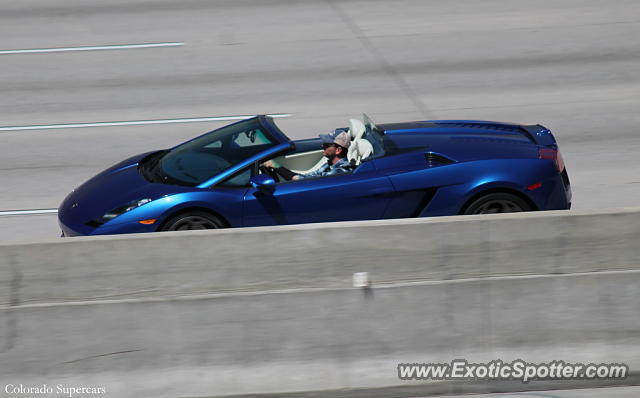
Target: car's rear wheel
(193,220)
(497,203)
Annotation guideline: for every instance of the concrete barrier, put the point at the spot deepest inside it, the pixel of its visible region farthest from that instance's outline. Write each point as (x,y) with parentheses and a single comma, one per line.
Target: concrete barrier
(318,255)
(272,310)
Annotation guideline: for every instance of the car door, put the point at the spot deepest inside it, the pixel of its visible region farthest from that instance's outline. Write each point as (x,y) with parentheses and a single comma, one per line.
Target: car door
(361,195)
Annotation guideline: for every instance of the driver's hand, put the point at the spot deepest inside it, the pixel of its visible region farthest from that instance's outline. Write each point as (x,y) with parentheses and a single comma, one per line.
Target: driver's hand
(269,164)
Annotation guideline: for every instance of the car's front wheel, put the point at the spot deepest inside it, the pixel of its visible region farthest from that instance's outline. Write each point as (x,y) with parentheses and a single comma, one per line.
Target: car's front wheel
(193,220)
(497,203)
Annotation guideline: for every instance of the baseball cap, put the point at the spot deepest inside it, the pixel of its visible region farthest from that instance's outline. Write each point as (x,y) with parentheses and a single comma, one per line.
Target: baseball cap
(337,136)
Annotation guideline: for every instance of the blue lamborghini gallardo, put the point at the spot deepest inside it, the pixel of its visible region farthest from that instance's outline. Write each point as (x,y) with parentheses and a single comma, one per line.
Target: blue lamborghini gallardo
(399,170)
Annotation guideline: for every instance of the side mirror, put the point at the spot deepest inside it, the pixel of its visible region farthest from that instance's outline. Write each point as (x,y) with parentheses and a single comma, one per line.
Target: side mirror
(263,182)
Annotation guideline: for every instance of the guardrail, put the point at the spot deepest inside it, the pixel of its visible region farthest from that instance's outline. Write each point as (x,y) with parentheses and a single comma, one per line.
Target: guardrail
(273,310)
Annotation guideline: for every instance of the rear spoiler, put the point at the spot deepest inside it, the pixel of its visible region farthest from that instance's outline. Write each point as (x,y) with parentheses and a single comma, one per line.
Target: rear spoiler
(540,135)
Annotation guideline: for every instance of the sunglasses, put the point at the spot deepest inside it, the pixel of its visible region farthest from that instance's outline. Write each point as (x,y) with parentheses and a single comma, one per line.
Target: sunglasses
(325,146)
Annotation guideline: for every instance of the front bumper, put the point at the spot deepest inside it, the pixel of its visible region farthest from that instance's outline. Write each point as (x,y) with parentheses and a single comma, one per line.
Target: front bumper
(106,229)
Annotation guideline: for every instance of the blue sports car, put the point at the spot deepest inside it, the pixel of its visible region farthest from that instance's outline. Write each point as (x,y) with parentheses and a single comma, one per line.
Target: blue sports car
(397,170)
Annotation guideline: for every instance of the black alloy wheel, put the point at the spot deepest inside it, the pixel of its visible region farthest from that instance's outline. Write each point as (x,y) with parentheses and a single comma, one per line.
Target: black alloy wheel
(497,203)
(193,220)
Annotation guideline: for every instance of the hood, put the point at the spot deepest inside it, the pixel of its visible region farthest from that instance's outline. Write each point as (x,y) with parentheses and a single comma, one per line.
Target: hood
(114,187)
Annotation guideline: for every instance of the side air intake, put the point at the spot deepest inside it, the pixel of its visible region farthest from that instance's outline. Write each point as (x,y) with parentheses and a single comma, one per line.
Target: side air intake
(435,159)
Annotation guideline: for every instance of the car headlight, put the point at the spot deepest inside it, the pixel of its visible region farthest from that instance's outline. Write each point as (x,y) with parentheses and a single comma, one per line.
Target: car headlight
(122,209)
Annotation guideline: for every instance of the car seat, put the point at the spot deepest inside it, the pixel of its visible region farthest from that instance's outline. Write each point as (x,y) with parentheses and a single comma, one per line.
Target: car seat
(360,148)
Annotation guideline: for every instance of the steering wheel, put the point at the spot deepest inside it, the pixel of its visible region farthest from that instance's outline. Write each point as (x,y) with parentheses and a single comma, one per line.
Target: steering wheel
(270,171)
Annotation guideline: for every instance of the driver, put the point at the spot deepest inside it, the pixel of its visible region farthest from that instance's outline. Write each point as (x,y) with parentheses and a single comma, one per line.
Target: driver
(335,146)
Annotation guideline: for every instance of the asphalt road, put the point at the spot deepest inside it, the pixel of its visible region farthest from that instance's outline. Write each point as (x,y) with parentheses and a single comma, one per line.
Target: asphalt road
(571,65)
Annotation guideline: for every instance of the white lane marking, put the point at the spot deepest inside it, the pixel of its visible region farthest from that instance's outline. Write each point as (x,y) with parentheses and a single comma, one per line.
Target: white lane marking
(90,48)
(26,212)
(134,122)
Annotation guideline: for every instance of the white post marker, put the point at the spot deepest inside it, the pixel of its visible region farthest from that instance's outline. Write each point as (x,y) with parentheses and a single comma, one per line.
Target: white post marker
(361,279)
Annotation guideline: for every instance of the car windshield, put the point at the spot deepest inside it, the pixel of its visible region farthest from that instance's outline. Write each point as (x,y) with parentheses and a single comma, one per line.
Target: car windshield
(196,161)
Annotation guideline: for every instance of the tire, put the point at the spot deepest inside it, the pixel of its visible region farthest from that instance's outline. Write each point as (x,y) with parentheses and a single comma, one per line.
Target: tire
(193,220)
(497,203)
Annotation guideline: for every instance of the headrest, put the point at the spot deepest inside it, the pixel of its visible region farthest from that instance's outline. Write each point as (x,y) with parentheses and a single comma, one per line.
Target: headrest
(357,129)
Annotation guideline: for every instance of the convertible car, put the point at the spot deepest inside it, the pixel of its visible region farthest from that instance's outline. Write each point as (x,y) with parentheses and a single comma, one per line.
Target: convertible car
(399,170)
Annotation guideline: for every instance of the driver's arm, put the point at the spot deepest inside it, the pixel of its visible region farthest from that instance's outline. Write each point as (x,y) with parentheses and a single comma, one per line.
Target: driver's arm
(283,171)
(286,173)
